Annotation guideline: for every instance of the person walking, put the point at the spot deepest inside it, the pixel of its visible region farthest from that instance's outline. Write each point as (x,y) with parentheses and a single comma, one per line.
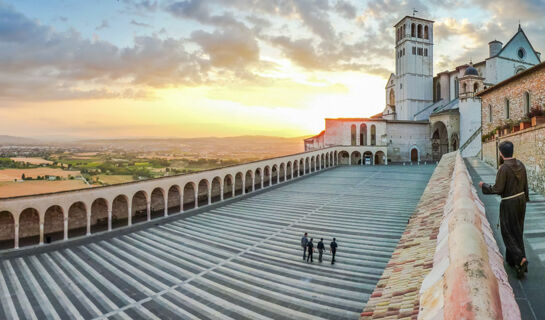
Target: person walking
(310,250)
(304,242)
(512,184)
(321,248)
(333,250)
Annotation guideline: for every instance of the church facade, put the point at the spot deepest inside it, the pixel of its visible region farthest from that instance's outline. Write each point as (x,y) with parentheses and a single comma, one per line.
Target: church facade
(426,116)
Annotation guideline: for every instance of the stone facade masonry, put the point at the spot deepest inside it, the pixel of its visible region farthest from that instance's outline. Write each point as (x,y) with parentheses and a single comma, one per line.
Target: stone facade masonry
(531,81)
(530,149)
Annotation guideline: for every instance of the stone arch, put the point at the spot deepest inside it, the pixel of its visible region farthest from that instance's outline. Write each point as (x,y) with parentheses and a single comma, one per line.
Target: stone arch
(414,154)
(282,173)
(419,31)
(215,190)
(336,158)
(355,158)
(228,190)
(7,234)
(464,88)
(77,219)
(157,205)
(202,193)
(238,183)
(288,171)
(363,134)
(413,30)
(379,158)
(53,224)
(257,179)
(99,215)
(312,164)
(439,140)
(301,167)
(353,135)
(295,168)
(307,165)
(174,199)
(190,199)
(266,176)
(475,87)
(120,211)
(139,207)
(322,161)
(249,181)
(426,32)
(344,158)
(274,174)
(29,227)
(526,102)
(373,135)
(368,155)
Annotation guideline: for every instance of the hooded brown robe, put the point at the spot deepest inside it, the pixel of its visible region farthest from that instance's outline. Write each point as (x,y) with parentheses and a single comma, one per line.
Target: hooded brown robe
(511,180)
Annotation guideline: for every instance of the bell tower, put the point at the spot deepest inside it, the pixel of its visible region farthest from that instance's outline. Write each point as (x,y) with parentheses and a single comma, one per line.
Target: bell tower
(414,66)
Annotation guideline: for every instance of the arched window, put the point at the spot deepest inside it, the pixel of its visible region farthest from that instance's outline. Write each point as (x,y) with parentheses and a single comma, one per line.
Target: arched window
(438,92)
(456,87)
(507,109)
(363,134)
(526,102)
(392,98)
(426,33)
(353,135)
(373,135)
(419,31)
(489,113)
(413,30)
(475,87)
(464,90)
(402,31)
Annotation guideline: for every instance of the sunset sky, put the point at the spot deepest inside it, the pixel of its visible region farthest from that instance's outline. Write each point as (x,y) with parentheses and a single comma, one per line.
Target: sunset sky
(136,68)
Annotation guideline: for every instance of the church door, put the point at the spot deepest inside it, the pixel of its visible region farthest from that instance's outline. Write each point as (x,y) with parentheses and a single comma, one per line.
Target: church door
(414,155)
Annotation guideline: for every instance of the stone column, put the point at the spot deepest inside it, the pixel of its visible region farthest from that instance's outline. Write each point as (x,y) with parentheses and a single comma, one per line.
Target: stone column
(109,219)
(221,192)
(41,233)
(197,197)
(165,197)
(182,200)
(361,159)
(88,221)
(253,183)
(65,228)
(262,178)
(129,208)
(244,184)
(148,209)
(233,190)
(16,240)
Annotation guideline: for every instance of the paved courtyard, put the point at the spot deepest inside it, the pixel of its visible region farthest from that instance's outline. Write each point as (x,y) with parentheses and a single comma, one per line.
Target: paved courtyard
(241,260)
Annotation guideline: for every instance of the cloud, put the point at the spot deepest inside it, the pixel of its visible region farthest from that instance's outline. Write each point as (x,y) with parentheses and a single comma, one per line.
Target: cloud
(140,24)
(103,25)
(346,9)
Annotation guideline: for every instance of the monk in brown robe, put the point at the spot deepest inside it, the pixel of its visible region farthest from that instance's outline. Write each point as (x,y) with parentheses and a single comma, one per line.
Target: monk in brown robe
(512,185)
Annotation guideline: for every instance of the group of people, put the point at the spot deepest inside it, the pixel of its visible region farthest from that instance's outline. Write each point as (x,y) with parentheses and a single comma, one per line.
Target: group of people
(308,248)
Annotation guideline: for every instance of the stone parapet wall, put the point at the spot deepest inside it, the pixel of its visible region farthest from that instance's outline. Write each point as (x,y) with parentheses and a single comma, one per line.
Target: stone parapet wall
(396,293)
(468,280)
(529,148)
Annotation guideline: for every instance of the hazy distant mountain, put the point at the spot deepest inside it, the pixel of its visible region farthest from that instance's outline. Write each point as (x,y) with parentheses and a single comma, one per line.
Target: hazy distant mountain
(11,140)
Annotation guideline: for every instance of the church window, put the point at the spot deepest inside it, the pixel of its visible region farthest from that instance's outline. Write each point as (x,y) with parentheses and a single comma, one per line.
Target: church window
(456,87)
(353,135)
(420,51)
(419,31)
(475,87)
(507,109)
(438,92)
(414,50)
(521,53)
(425,52)
(489,113)
(403,51)
(373,135)
(403,32)
(526,102)
(464,90)
(413,30)
(426,33)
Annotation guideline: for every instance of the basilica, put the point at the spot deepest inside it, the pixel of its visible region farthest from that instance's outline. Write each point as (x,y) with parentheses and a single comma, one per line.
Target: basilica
(427,115)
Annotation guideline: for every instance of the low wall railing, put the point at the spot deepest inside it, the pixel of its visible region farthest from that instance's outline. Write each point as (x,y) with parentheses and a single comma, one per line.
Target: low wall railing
(468,279)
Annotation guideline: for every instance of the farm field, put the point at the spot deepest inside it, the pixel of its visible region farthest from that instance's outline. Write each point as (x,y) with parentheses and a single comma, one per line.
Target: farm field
(28,187)
(11,174)
(36,161)
(114,178)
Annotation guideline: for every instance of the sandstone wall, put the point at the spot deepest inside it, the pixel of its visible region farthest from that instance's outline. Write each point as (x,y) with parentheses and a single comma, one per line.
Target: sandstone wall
(530,149)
